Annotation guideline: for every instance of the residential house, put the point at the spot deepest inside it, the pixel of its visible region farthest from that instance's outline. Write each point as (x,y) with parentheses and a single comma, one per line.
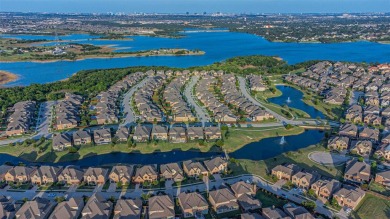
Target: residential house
(159,133)
(45,175)
(146,173)
(21,118)
(304,179)
(372,119)
(245,193)
(69,209)
(251,216)
(97,207)
(349,196)
(19,174)
(122,134)
(177,135)
(3,170)
(212,133)
(71,175)
(161,207)
(128,208)
(171,171)
(296,211)
(61,142)
(194,169)
(349,130)
(354,114)
(102,136)
(356,171)
(339,143)
(216,165)
(383,178)
(383,152)
(8,207)
(95,176)
(195,133)
(121,173)
(369,133)
(325,188)
(81,137)
(223,200)
(362,148)
(142,133)
(39,208)
(285,171)
(193,204)
(272,213)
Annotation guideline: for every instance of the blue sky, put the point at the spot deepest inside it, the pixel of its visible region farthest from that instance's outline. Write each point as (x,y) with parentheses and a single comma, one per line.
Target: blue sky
(182,6)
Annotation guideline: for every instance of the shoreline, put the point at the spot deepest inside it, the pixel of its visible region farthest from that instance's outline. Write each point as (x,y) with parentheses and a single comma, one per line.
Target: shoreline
(7,77)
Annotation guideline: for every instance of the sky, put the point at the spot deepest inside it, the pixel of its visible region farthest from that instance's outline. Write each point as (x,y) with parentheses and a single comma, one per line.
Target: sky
(199,6)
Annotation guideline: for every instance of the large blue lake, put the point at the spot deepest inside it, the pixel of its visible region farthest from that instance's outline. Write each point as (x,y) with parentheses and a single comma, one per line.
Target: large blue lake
(218,47)
(260,150)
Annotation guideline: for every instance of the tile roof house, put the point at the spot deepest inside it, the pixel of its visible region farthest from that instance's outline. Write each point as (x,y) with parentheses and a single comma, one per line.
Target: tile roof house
(61,142)
(146,173)
(102,136)
(339,143)
(297,212)
(97,207)
(285,171)
(128,208)
(68,209)
(383,178)
(349,196)
(160,207)
(142,133)
(194,169)
(356,171)
(216,165)
(20,174)
(193,204)
(223,200)
(325,188)
(45,174)
(71,175)
(95,176)
(171,171)
(81,137)
(121,173)
(39,208)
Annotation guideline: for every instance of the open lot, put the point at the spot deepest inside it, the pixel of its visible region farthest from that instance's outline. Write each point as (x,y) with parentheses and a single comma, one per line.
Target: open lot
(372,207)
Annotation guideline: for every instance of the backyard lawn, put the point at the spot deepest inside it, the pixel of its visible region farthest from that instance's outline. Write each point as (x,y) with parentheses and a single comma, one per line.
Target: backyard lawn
(372,207)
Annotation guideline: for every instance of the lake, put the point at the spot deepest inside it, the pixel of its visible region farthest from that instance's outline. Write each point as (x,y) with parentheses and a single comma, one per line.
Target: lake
(218,46)
(295,97)
(263,149)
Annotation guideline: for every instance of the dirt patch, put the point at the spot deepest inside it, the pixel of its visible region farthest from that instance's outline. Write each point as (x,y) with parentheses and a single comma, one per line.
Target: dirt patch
(6,77)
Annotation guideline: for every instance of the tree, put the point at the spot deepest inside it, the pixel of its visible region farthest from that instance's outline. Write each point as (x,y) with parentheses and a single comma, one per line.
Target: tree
(220,143)
(309,205)
(360,159)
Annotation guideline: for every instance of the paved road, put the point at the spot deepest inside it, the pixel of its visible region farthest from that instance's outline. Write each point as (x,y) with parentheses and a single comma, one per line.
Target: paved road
(201,113)
(174,191)
(45,118)
(126,104)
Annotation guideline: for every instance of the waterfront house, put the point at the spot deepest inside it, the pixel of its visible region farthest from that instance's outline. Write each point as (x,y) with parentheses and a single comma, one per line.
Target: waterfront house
(19,174)
(349,130)
(212,133)
(161,207)
(195,133)
(45,174)
(81,137)
(128,208)
(71,175)
(362,148)
(222,201)
(159,133)
(122,134)
(97,207)
(285,171)
(216,165)
(68,209)
(171,171)
(349,196)
(339,143)
(121,173)
(39,208)
(102,136)
(192,204)
(304,179)
(177,135)
(61,142)
(95,176)
(356,171)
(383,178)
(194,169)
(146,173)
(3,170)
(142,133)
(325,188)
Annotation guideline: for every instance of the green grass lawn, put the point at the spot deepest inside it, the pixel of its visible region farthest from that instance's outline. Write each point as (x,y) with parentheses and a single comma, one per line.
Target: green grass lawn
(269,200)
(372,207)
(300,157)
(376,187)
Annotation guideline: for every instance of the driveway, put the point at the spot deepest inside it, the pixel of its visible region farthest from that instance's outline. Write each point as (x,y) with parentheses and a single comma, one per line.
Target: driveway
(112,187)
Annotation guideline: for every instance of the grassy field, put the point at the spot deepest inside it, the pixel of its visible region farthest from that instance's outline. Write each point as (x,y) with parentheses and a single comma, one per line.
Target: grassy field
(300,157)
(372,207)
(237,138)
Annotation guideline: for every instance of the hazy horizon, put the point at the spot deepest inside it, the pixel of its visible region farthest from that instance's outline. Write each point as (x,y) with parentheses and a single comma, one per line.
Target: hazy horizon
(196,6)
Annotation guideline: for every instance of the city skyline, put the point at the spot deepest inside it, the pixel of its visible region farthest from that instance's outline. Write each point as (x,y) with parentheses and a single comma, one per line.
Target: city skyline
(200,6)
